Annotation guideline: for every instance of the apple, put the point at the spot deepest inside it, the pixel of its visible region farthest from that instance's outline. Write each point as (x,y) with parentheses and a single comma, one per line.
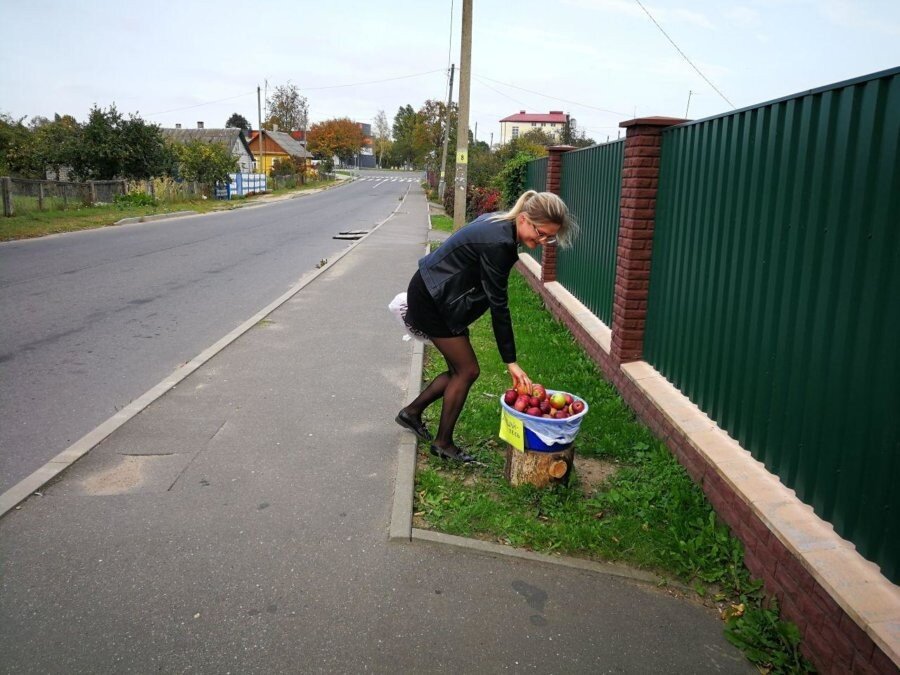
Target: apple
(533,401)
(539,391)
(558,401)
(577,407)
(569,399)
(522,389)
(520,404)
(534,411)
(561,415)
(510,396)
(544,406)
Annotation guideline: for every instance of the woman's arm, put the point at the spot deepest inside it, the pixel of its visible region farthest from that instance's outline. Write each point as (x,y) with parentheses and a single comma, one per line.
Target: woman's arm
(518,376)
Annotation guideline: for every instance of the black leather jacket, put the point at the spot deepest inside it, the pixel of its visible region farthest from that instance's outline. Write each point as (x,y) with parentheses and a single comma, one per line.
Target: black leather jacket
(468,274)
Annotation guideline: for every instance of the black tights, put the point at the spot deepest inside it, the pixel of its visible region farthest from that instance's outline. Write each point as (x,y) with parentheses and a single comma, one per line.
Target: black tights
(453,385)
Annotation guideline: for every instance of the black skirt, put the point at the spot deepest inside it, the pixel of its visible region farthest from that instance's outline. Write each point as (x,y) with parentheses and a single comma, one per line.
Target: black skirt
(422,312)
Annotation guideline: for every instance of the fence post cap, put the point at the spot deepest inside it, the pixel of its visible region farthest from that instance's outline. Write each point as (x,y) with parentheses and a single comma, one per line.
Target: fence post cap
(652,122)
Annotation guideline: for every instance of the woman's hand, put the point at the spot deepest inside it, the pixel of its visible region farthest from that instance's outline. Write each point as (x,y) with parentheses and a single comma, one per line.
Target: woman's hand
(518,376)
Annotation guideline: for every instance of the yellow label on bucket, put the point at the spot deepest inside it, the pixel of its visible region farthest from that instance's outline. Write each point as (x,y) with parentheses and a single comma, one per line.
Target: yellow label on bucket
(512,430)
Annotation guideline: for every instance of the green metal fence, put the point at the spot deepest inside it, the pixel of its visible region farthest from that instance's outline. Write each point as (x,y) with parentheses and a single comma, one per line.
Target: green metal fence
(775,294)
(536,179)
(590,187)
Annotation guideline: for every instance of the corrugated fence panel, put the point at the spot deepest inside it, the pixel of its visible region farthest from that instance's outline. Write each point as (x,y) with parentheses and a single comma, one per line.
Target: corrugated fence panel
(775,294)
(590,187)
(536,179)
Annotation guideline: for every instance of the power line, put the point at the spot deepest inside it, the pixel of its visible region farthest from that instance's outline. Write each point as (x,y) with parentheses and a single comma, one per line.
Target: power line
(683,55)
(485,84)
(555,98)
(198,105)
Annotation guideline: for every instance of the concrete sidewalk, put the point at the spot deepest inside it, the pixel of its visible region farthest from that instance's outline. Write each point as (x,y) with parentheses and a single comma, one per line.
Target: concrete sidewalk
(240,524)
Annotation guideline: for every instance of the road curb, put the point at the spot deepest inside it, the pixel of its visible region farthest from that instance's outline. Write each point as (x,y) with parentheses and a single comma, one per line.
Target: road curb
(26,487)
(154,216)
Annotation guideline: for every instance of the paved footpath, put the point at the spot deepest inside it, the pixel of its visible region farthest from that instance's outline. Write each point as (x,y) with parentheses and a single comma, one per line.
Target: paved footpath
(239,524)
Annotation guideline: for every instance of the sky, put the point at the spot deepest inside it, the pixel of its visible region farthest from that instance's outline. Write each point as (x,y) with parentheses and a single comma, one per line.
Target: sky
(601,61)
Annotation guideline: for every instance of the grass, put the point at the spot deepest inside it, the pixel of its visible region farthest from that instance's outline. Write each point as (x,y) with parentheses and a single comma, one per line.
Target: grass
(646,512)
(441,222)
(40,223)
(33,223)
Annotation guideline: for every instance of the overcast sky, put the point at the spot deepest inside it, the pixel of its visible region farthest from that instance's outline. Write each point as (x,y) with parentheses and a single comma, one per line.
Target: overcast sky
(602,61)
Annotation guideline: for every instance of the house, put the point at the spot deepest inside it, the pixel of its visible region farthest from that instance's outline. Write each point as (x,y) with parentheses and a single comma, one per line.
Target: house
(278,145)
(366,157)
(521,123)
(233,139)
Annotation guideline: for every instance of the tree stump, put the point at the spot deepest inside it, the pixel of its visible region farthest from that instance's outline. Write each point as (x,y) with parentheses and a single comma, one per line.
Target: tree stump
(539,468)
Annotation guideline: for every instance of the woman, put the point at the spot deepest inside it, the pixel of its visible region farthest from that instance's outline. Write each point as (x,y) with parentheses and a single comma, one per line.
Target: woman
(460,281)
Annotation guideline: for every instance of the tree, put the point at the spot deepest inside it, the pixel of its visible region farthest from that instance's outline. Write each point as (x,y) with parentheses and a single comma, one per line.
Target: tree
(100,152)
(570,134)
(382,135)
(435,119)
(484,165)
(411,143)
(237,121)
(15,150)
(538,136)
(205,162)
(54,143)
(336,137)
(146,151)
(288,110)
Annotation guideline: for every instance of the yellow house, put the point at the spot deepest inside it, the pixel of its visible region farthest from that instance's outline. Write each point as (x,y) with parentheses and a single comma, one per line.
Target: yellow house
(277,145)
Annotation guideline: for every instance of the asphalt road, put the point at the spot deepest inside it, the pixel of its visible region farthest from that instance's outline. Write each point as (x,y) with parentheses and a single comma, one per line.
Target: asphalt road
(92,320)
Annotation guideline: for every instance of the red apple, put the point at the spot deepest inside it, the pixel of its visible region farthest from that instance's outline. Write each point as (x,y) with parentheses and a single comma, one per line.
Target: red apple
(510,396)
(520,404)
(534,411)
(558,400)
(577,407)
(522,389)
(544,406)
(561,415)
(539,391)
(533,401)
(569,399)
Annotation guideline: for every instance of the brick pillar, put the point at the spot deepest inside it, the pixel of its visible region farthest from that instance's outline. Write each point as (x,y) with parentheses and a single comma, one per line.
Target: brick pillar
(637,214)
(554,180)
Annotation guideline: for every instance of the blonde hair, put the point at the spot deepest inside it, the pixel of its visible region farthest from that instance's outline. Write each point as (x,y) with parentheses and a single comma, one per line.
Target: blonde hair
(544,207)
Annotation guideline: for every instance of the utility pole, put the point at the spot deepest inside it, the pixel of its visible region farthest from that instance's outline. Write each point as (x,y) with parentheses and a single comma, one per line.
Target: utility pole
(262,153)
(688,104)
(462,129)
(442,185)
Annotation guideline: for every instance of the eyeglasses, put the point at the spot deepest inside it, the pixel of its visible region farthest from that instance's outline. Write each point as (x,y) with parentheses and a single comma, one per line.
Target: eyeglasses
(542,237)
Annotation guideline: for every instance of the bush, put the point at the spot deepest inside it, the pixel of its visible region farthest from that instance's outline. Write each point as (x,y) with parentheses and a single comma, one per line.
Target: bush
(478,201)
(134,199)
(513,177)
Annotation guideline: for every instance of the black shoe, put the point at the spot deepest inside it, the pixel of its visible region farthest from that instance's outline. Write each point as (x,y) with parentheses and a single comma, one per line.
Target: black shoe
(414,424)
(452,453)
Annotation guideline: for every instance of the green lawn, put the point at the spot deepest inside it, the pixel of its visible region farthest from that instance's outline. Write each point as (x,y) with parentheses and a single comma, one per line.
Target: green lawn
(630,502)
(33,223)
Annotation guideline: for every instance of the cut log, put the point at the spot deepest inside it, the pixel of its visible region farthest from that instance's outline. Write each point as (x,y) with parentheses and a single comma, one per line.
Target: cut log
(539,468)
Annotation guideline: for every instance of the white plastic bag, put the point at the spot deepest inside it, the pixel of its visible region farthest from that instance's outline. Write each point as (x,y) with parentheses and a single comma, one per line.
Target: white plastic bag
(550,431)
(397,307)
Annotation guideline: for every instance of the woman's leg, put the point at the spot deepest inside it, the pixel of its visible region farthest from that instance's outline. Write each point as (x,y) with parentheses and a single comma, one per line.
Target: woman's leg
(462,371)
(429,394)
